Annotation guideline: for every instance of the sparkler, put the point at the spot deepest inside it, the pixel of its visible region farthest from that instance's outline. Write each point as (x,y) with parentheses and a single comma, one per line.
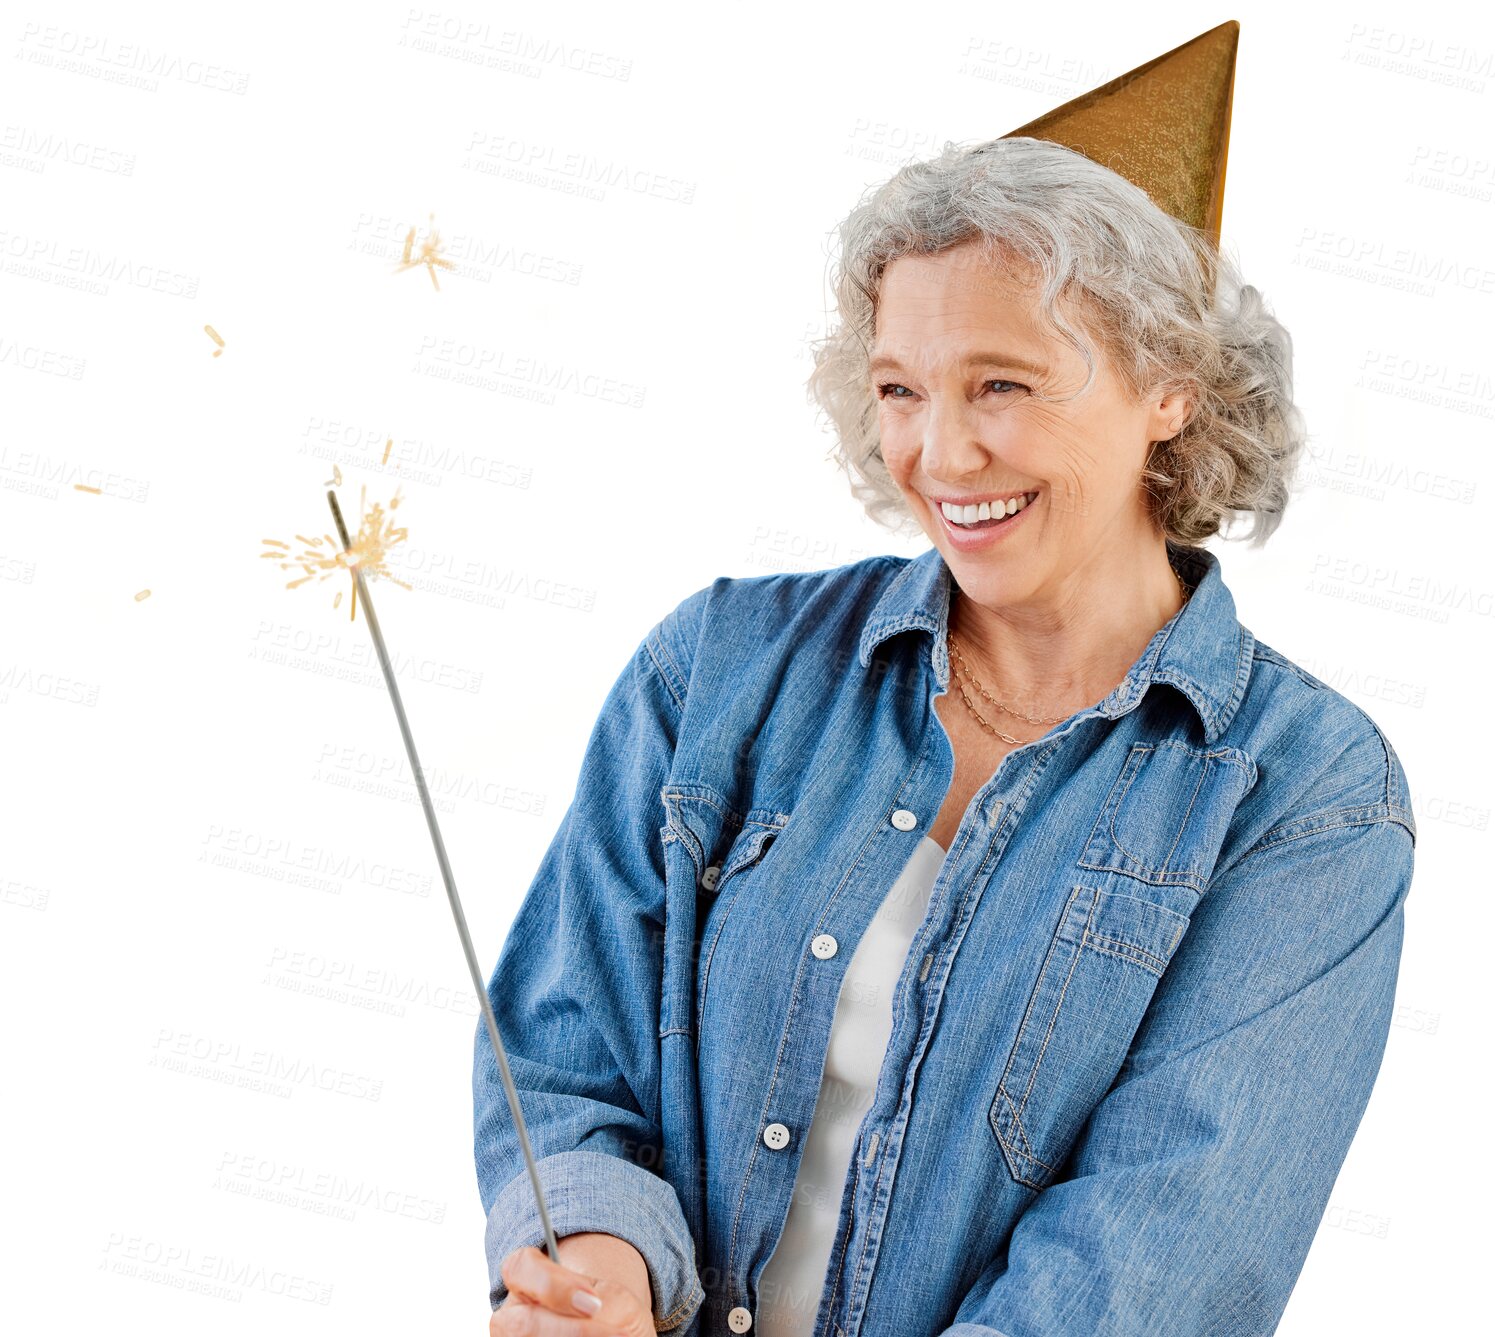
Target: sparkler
(376,536)
(359,559)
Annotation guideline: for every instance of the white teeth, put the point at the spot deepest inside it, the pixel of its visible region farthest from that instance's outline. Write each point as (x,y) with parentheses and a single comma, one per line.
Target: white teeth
(969,515)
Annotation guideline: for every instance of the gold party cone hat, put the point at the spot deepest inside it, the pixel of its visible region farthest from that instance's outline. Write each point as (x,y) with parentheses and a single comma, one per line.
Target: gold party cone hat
(1164,126)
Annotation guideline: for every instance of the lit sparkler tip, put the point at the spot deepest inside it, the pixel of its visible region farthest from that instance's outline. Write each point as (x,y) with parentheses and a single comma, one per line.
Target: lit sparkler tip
(367,551)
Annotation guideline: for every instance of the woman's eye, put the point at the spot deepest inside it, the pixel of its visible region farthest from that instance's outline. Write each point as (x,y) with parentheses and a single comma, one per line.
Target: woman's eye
(886,391)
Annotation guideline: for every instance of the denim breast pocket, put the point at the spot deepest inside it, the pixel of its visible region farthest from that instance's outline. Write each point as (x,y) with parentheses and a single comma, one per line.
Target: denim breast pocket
(1167,813)
(721,846)
(1098,975)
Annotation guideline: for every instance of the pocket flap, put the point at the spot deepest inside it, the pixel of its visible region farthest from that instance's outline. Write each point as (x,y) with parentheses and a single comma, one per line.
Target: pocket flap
(1142,932)
(715,834)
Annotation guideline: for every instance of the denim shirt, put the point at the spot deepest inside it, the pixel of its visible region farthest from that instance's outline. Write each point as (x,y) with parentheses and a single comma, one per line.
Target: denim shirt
(1132,1039)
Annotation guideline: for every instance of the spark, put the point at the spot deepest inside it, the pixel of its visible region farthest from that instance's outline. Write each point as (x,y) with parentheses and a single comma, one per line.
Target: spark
(428,254)
(377,536)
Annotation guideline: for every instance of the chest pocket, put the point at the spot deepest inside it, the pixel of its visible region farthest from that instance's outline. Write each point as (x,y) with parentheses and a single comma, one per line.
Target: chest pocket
(1156,839)
(720,846)
(1167,813)
(1101,968)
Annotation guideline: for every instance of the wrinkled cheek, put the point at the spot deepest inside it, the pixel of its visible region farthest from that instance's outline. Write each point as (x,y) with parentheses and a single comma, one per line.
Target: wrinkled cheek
(1060,460)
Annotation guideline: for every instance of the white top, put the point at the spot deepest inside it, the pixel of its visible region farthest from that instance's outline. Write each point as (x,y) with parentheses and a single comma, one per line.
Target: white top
(790,1288)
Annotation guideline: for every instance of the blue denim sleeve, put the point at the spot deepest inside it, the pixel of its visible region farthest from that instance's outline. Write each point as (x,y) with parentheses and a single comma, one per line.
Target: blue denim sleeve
(576,995)
(1190,1200)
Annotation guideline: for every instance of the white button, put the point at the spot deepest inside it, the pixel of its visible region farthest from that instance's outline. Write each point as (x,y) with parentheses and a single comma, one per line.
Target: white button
(904,820)
(824,946)
(739,1320)
(776,1136)
(708,878)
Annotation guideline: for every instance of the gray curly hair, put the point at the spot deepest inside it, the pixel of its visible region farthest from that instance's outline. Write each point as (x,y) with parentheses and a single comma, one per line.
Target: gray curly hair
(1170,312)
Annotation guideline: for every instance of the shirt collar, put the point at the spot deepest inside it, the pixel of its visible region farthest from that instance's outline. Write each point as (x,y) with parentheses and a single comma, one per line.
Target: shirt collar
(1203,650)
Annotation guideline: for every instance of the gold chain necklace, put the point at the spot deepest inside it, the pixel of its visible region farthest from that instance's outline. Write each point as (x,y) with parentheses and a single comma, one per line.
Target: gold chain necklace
(961,670)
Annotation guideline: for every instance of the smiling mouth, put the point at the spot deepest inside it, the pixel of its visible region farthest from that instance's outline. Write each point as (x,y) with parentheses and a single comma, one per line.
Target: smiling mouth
(971,519)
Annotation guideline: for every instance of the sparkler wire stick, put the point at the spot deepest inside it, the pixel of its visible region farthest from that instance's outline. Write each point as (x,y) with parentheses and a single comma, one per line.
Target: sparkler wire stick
(451,886)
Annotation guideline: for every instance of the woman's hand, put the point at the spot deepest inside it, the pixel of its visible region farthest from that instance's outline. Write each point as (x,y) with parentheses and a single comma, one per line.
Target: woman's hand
(547,1300)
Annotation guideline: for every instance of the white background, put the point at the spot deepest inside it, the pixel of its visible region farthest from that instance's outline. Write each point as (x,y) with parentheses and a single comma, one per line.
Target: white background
(207,815)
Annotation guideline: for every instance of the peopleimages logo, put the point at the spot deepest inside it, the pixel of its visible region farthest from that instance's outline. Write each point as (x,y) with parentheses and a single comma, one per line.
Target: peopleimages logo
(187,1052)
(295,1185)
(102,56)
(222,1276)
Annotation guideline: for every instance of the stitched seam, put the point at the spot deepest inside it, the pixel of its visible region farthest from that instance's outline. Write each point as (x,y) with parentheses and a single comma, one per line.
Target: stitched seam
(1193,801)
(1386,752)
(1140,752)
(856,1276)
(1136,859)
(1058,1005)
(674,1317)
(1025,1152)
(1130,952)
(1363,815)
(1021,1131)
(1017,1127)
(1037,991)
(1268,655)
(1020,1173)
(657,652)
(836,1280)
(1245,645)
(704,797)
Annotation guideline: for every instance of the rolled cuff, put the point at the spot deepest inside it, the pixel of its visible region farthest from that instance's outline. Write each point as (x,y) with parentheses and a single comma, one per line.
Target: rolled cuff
(586,1191)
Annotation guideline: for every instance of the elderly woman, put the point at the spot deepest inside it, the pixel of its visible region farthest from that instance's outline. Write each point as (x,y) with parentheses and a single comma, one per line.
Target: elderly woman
(1000,941)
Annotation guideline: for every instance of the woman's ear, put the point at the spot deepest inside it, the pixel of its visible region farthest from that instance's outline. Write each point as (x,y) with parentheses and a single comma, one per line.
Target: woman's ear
(1169,415)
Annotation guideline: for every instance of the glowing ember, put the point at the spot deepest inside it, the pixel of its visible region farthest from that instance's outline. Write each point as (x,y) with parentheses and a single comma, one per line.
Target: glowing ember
(371,546)
(429,254)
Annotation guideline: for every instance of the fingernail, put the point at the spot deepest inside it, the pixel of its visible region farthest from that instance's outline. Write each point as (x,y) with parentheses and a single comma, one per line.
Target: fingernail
(586,1301)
